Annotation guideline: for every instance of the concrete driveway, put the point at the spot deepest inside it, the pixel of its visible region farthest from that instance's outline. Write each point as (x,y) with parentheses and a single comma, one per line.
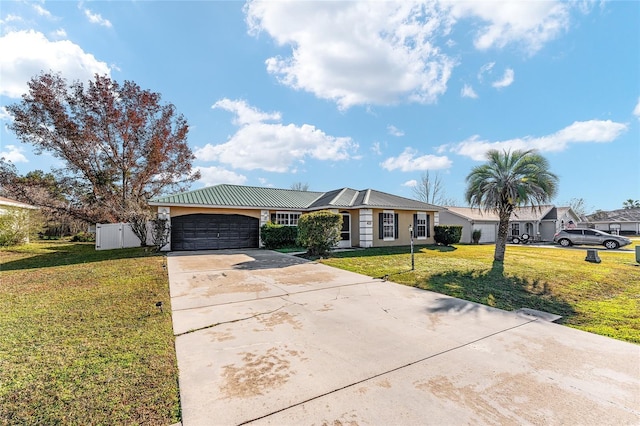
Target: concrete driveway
(267,338)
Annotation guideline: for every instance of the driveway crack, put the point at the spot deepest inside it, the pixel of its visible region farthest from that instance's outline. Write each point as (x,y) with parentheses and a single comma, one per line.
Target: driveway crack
(193,330)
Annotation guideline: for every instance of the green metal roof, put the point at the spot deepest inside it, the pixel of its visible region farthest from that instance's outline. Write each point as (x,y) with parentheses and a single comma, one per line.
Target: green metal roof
(240,196)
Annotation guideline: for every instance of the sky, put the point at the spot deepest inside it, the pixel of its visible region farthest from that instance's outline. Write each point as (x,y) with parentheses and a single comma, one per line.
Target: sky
(359,94)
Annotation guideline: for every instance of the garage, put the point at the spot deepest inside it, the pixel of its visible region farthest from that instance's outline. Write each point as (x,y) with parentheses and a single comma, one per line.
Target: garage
(214,231)
(488,230)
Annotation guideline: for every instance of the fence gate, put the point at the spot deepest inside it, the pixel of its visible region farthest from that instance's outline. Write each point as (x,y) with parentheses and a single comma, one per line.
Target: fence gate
(118,235)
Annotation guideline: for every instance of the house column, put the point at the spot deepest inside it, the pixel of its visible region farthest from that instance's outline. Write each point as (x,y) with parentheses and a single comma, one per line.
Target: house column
(366,228)
(264,218)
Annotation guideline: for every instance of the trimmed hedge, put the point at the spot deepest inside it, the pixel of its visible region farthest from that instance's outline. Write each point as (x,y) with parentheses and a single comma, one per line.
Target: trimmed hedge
(447,234)
(319,232)
(276,236)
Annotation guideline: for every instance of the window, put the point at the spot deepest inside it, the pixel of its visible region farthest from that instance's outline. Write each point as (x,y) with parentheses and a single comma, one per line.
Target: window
(421,225)
(515,229)
(286,218)
(388,225)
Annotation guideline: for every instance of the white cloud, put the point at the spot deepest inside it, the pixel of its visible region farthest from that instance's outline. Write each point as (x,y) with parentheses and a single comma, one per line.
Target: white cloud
(394,131)
(357,52)
(26,53)
(529,23)
(14,154)
(96,18)
(60,33)
(381,53)
(506,80)
(411,183)
(636,110)
(468,92)
(485,69)
(273,147)
(41,11)
(375,147)
(592,131)
(245,114)
(215,175)
(409,162)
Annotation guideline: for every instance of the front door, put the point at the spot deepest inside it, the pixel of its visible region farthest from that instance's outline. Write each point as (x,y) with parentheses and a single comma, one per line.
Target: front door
(345,232)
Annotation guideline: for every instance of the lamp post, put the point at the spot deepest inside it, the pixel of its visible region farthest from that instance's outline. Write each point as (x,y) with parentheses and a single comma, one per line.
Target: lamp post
(411,235)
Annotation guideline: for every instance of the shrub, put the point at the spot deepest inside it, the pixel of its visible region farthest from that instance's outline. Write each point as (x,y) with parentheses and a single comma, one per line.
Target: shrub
(319,231)
(447,234)
(17,225)
(83,237)
(475,236)
(276,236)
(161,231)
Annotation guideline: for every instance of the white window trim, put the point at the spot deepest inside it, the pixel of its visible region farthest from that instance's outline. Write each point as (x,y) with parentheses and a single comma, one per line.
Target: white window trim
(424,215)
(393,225)
(288,215)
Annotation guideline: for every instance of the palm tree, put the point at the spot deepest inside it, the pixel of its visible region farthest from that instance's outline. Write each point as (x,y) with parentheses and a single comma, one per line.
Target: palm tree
(631,204)
(509,180)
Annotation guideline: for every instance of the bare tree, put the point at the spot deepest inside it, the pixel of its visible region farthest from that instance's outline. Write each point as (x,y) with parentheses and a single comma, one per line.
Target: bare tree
(299,186)
(430,190)
(578,205)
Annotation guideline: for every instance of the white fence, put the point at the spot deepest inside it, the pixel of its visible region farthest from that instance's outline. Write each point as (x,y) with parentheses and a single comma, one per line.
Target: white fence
(118,235)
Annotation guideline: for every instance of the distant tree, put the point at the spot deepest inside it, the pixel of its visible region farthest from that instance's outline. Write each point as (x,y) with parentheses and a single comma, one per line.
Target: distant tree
(119,143)
(631,204)
(509,180)
(319,231)
(299,186)
(430,190)
(42,189)
(578,205)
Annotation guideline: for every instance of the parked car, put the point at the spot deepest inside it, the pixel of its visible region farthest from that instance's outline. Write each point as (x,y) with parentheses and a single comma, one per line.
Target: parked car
(568,237)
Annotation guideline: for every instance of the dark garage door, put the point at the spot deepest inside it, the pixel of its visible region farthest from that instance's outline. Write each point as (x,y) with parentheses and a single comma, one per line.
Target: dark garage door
(213,231)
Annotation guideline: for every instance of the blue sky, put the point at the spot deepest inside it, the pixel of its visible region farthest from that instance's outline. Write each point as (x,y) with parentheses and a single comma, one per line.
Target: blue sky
(358,94)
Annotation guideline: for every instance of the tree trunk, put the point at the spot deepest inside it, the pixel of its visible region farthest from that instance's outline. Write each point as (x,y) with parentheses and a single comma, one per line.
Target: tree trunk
(501,241)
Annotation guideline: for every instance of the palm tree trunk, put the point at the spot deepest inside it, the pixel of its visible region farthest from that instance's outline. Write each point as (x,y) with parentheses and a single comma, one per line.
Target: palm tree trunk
(501,241)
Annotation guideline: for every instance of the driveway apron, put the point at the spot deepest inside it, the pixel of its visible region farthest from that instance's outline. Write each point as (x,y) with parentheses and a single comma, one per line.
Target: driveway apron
(268,338)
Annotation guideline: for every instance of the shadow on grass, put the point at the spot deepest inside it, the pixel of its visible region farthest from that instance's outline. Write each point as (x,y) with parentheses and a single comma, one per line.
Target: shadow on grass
(73,254)
(385,251)
(494,288)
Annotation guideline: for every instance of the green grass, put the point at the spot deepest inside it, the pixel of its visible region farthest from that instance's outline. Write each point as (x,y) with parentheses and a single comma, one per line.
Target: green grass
(600,298)
(82,341)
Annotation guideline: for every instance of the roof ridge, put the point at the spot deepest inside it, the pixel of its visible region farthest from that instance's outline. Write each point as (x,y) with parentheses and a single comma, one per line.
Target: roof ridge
(353,199)
(334,199)
(365,202)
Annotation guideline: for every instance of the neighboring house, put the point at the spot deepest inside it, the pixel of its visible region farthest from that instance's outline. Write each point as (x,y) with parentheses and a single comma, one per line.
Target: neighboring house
(230,216)
(8,205)
(620,222)
(541,222)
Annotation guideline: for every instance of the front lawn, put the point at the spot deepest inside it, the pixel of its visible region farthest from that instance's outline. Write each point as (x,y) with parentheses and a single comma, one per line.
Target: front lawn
(82,341)
(600,298)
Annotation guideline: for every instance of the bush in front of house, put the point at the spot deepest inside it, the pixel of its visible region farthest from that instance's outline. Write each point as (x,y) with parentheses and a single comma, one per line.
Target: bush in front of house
(476,235)
(447,234)
(319,232)
(276,236)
